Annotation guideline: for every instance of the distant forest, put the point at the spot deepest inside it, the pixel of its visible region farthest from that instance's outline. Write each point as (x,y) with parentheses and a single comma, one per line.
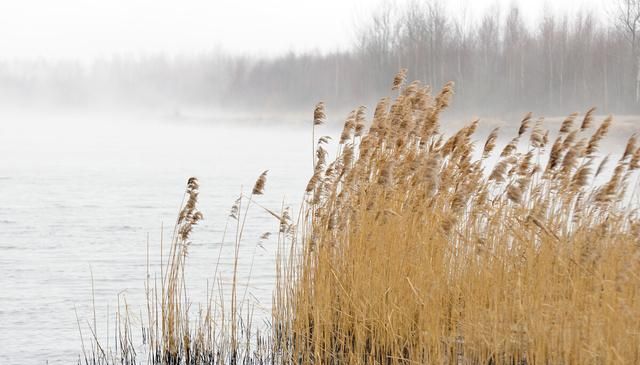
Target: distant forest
(498,63)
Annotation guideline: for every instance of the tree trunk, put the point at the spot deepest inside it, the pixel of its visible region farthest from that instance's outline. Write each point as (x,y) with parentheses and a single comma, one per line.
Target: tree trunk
(637,79)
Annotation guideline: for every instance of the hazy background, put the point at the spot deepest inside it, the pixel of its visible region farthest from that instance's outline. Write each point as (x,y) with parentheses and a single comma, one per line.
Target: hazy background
(85,29)
(179,57)
(107,107)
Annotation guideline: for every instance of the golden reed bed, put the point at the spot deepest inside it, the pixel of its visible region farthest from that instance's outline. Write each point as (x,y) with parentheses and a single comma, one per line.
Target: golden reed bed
(410,248)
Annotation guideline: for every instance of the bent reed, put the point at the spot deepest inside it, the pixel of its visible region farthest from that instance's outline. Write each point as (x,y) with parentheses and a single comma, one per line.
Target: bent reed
(414,248)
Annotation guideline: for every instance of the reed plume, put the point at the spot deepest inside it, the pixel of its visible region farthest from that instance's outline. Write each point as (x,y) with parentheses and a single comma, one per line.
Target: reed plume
(415,255)
(258,187)
(588,119)
(319,115)
(399,79)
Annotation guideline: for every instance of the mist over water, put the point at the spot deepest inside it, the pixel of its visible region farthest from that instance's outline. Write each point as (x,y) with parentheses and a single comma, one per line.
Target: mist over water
(83,194)
(95,152)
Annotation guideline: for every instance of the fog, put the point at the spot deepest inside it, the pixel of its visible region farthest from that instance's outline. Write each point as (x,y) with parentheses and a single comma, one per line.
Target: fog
(106,108)
(505,57)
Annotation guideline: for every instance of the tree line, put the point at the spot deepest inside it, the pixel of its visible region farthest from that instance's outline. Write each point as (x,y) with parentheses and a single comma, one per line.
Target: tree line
(499,63)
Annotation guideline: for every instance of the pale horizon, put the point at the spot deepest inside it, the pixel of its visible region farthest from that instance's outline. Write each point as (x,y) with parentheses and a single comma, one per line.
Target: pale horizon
(88,30)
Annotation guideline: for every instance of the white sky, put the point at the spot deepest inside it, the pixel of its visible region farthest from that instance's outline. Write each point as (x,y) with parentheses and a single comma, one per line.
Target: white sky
(86,29)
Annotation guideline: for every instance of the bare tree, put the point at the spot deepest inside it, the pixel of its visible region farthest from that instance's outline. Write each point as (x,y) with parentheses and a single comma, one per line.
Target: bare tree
(547,34)
(500,64)
(514,39)
(629,18)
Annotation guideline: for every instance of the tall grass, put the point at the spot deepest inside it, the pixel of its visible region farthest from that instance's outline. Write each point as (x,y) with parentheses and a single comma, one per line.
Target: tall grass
(219,332)
(416,248)
(413,252)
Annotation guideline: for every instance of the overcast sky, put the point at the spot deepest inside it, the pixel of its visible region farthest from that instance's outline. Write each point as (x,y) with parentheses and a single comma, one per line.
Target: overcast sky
(86,29)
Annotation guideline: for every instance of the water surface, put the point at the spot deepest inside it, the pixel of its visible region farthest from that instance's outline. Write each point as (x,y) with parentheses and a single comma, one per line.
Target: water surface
(81,194)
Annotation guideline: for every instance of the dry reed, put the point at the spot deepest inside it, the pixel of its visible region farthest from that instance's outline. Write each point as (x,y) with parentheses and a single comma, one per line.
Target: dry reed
(409,249)
(415,255)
